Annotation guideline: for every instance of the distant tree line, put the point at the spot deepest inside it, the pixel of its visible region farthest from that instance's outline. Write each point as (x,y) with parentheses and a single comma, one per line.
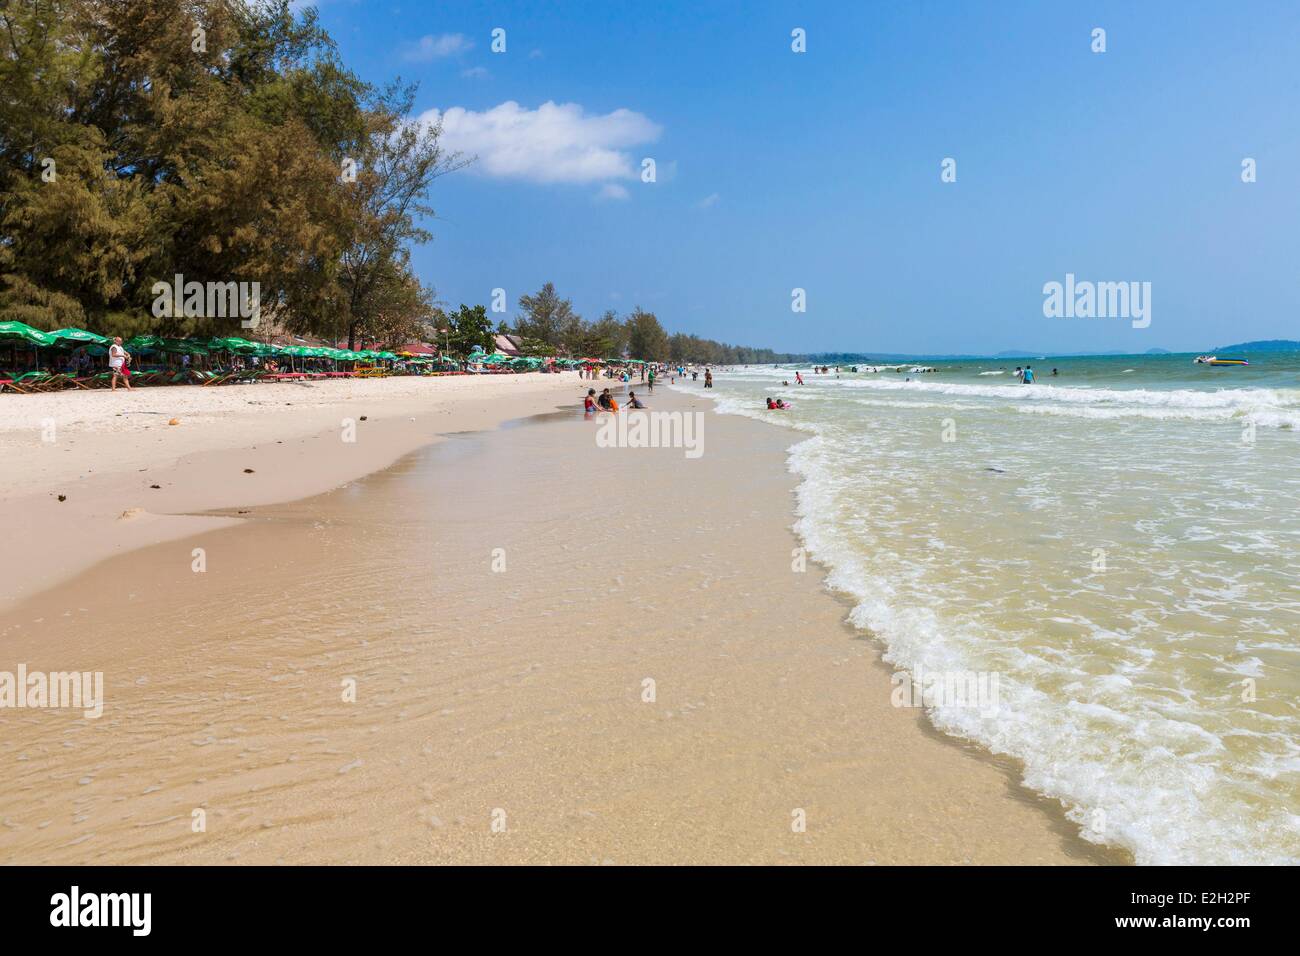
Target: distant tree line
(548,325)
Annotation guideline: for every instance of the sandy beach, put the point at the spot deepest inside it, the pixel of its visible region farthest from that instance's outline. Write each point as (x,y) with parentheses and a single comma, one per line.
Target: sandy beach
(452,642)
(130,478)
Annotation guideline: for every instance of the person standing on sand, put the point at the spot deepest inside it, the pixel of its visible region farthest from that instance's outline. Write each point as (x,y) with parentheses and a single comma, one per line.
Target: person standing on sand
(118,360)
(651,380)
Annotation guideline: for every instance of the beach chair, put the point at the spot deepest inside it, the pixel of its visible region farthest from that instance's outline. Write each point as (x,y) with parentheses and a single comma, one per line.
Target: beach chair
(30,382)
(218,376)
(98,380)
(61,380)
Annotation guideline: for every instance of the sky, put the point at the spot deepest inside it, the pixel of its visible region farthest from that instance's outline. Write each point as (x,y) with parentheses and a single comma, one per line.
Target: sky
(820,170)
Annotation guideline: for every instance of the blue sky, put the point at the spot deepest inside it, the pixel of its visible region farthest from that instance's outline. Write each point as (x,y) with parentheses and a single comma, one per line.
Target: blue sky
(821,170)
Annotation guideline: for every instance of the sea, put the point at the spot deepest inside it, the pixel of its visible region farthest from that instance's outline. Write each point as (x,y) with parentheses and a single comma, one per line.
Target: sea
(1118,543)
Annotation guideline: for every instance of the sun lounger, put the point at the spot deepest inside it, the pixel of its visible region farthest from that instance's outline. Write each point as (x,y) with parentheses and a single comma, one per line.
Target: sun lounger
(31,382)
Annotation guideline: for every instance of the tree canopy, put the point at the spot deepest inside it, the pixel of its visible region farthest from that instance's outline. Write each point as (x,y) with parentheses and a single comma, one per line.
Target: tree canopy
(219,140)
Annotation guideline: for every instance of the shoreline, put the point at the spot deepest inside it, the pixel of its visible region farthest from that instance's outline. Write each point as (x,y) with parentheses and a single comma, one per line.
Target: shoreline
(1043,836)
(1012,768)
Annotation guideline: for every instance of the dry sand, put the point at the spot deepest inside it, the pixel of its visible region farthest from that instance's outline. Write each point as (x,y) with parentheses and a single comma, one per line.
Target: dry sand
(499,601)
(105,452)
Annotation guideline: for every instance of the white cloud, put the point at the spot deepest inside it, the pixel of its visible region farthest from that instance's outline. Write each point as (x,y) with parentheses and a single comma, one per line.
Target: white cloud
(474,72)
(710,200)
(555,143)
(612,191)
(430,47)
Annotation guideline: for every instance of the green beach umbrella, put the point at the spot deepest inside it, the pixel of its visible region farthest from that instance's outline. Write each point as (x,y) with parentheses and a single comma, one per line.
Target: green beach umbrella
(235,344)
(183,346)
(71,338)
(143,343)
(22,332)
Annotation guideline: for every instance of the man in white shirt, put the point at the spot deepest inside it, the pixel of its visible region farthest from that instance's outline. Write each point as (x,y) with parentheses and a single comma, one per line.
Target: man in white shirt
(118,359)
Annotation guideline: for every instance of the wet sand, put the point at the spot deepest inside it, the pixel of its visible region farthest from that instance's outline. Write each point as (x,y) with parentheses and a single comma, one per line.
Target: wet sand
(499,601)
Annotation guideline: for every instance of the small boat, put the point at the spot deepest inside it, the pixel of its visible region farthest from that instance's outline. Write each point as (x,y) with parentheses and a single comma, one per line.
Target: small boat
(1215,360)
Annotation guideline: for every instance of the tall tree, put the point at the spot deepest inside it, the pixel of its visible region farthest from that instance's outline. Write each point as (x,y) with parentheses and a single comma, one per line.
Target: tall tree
(646,338)
(545,316)
(466,328)
(399,162)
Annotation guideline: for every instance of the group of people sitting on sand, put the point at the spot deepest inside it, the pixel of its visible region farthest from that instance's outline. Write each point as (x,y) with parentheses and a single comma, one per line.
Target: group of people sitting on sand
(606,402)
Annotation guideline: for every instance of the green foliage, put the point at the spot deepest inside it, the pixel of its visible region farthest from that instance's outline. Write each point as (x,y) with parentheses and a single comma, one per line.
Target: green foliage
(132,150)
(466,328)
(535,347)
(646,338)
(546,317)
(548,320)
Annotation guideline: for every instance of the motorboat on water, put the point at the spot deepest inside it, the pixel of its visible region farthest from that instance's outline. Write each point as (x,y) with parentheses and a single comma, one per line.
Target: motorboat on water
(1215,360)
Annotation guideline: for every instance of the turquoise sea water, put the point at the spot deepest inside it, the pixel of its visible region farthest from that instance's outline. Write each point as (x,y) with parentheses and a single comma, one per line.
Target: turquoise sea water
(1119,543)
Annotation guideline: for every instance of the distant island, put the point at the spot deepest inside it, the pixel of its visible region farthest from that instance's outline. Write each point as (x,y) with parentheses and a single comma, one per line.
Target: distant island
(1264,345)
